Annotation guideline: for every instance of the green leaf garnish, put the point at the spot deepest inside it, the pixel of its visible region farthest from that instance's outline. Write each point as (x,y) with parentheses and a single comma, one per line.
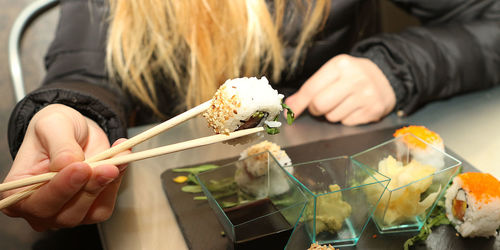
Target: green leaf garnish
(271,131)
(437,217)
(196,170)
(192,189)
(228,204)
(290,116)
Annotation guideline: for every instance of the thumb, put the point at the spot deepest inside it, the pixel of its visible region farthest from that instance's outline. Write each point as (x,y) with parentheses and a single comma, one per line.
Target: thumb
(63,135)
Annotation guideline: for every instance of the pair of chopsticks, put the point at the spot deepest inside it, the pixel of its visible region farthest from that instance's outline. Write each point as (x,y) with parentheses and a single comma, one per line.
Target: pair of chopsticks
(102,158)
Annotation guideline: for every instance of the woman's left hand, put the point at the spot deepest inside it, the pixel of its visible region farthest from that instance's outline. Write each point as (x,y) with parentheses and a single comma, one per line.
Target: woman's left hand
(346,89)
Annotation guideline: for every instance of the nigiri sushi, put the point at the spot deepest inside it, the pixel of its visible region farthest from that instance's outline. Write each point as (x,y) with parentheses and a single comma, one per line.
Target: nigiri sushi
(253,172)
(245,103)
(473,204)
(427,149)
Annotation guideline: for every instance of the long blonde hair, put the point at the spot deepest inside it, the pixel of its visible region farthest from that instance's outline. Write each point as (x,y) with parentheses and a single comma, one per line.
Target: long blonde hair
(198,44)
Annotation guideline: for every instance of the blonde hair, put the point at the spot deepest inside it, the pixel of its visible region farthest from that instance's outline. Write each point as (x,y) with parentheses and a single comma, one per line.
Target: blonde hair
(199,44)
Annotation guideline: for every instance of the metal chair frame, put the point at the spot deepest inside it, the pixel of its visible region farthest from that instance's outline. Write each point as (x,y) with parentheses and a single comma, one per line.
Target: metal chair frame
(22,22)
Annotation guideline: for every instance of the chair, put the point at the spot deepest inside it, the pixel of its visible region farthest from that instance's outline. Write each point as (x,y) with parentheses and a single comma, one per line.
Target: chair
(22,22)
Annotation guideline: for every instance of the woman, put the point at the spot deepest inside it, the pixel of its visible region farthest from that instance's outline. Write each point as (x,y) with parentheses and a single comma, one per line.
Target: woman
(141,61)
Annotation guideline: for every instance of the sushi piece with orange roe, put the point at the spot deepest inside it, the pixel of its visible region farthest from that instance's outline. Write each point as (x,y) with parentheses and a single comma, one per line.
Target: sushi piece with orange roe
(425,146)
(423,133)
(473,204)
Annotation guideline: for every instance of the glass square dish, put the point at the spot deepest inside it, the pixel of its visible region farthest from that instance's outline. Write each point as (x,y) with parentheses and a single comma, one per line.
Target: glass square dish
(255,200)
(419,175)
(338,211)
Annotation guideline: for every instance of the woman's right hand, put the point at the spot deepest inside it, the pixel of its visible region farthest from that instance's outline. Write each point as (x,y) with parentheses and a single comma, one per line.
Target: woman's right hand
(59,138)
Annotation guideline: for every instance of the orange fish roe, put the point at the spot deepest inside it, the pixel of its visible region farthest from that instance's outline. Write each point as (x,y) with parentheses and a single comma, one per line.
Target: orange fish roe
(483,186)
(420,132)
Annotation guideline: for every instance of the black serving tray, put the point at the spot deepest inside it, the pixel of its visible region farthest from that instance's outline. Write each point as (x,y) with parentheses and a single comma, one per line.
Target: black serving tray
(201,229)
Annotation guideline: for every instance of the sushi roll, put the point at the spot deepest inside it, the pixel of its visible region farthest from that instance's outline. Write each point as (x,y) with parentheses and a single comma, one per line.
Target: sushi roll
(254,177)
(428,150)
(473,204)
(244,103)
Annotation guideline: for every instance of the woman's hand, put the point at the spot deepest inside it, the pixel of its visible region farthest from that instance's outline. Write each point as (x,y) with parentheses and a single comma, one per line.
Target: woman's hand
(59,138)
(346,89)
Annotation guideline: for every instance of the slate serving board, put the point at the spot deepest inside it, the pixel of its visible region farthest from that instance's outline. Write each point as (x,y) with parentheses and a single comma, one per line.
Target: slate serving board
(201,229)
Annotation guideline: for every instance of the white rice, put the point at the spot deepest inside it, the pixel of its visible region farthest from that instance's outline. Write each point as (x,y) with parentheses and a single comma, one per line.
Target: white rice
(238,99)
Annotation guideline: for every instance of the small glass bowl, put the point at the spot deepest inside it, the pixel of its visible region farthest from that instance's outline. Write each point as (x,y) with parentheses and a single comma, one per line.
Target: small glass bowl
(255,200)
(338,211)
(419,176)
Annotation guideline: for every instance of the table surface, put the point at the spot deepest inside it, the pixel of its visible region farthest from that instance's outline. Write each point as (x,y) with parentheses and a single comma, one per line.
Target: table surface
(143,218)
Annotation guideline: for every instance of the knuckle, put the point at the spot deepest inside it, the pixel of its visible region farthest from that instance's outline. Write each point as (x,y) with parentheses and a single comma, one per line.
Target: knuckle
(315,107)
(376,110)
(47,120)
(343,60)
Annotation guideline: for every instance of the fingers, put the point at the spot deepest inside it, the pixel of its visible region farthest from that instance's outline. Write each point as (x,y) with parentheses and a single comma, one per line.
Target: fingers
(360,116)
(74,211)
(51,197)
(346,89)
(330,97)
(299,101)
(95,202)
(123,166)
(342,110)
(104,204)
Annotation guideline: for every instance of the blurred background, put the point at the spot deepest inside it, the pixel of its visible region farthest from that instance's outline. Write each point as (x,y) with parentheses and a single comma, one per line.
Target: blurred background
(15,233)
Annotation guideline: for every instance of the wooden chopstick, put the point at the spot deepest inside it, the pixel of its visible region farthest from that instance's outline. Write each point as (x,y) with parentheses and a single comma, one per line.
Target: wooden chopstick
(158,129)
(135,157)
(14,198)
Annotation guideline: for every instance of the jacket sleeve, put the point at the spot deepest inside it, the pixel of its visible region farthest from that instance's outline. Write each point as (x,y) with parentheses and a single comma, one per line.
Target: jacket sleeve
(76,74)
(456,50)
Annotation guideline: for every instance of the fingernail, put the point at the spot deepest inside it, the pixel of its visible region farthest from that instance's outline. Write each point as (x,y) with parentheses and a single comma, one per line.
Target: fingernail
(78,178)
(103,181)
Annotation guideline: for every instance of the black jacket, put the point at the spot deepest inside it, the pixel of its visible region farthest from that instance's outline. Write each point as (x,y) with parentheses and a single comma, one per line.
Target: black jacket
(457,49)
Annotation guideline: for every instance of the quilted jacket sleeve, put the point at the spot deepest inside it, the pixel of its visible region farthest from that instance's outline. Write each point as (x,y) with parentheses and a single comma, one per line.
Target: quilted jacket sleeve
(456,50)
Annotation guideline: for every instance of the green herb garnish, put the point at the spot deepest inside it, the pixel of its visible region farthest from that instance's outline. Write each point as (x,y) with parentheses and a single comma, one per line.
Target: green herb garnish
(271,131)
(196,170)
(192,189)
(290,116)
(437,217)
